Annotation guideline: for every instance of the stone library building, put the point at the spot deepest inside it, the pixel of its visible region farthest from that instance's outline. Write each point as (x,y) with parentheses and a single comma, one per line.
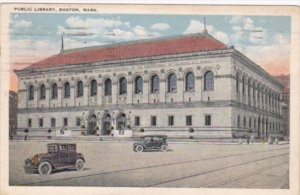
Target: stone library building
(177,86)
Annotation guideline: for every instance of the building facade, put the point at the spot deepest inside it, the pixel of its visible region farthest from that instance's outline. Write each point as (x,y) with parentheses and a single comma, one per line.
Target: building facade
(168,85)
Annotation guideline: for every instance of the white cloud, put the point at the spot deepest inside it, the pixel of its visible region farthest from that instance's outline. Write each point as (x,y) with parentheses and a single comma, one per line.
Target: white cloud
(198,27)
(22,24)
(160,26)
(30,51)
(281,39)
(235,19)
(112,29)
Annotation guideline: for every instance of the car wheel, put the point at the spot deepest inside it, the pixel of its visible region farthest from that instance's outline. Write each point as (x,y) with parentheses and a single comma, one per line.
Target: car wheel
(139,148)
(44,168)
(28,169)
(79,165)
(164,148)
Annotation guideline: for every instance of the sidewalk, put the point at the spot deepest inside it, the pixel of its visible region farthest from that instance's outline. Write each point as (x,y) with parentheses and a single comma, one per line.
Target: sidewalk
(133,139)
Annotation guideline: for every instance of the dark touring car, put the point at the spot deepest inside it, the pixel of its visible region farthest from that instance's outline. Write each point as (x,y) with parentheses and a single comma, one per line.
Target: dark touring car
(60,156)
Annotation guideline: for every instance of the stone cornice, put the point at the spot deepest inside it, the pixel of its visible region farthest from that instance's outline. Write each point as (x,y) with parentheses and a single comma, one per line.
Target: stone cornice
(126,62)
(256,68)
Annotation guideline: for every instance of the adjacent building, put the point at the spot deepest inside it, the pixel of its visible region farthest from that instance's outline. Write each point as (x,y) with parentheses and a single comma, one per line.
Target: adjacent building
(13,107)
(169,85)
(285,79)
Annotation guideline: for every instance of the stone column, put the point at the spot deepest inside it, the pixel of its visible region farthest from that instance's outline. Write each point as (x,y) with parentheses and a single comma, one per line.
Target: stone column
(129,92)
(59,96)
(162,91)
(99,95)
(72,95)
(180,90)
(146,91)
(86,94)
(114,93)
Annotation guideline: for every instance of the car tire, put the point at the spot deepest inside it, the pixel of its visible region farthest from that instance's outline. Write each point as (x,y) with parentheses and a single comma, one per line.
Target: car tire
(139,148)
(164,148)
(79,165)
(28,169)
(44,168)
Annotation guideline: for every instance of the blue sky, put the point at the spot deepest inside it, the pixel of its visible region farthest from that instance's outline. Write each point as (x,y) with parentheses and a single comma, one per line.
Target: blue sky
(34,36)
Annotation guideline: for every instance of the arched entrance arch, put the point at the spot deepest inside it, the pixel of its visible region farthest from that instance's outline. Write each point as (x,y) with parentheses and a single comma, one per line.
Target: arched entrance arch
(121,121)
(106,124)
(92,124)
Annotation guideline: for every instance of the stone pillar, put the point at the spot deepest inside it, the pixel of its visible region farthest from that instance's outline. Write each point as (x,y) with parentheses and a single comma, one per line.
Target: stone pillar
(59,96)
(72,95)
(48,94)
(100,95)
(198,88)
(180,90)
(162,91)
(86,94)
(114,93)
(146,91)
(35,95)
(129,92)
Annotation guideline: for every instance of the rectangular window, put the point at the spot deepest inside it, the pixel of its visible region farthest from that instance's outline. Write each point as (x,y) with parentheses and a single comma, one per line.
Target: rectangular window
(239,121)
(254,123)
(137,121)
(65,122)
(153,120)
(53,122)
(78,121)
(171,120)
(207,120)
(41,122)
(189,120)
(29,122)
(244,121)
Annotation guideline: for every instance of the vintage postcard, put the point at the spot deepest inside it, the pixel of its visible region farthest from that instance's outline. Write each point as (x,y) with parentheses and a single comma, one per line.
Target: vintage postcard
(153,99)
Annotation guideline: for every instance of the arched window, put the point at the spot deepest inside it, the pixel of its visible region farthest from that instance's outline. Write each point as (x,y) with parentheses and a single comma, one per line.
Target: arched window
(31,92)
(79,88)
(67,90)
(209,81)
(237,82)
(154,84)
(243,87)
(172,83)
(138,84)
(249,88)
(122,86)
(42,92)
(107,87)
(189,82)
(93,87)
(54,91)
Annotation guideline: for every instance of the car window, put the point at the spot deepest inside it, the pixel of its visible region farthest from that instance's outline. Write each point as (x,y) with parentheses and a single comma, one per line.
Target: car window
(52,148)
(63,148)
(72,148)
(157,139)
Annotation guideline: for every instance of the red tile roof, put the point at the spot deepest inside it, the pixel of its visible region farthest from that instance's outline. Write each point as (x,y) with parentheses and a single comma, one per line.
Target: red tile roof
(145,48)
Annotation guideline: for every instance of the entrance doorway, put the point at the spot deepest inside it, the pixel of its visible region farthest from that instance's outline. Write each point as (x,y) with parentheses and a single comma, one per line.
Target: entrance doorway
(106,124)
(92,123)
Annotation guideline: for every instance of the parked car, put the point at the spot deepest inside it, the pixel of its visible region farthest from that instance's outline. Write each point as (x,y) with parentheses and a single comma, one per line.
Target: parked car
(151,142)
(59,156)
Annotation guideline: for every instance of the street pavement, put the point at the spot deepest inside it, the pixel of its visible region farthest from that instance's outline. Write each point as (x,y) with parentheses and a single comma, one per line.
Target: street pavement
(193,165)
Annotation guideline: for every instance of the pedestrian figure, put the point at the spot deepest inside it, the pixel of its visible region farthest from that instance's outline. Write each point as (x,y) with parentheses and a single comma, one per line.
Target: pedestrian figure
(240,141)
(252,139)
(248,139)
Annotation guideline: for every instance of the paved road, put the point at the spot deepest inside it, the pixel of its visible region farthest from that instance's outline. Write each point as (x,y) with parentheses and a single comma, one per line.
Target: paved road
(184,165)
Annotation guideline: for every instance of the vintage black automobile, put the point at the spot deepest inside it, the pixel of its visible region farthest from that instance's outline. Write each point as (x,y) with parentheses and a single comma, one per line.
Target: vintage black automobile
(59,156)
(151,142)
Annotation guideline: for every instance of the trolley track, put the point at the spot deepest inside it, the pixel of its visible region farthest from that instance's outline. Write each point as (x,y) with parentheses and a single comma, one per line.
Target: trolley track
(170,164)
